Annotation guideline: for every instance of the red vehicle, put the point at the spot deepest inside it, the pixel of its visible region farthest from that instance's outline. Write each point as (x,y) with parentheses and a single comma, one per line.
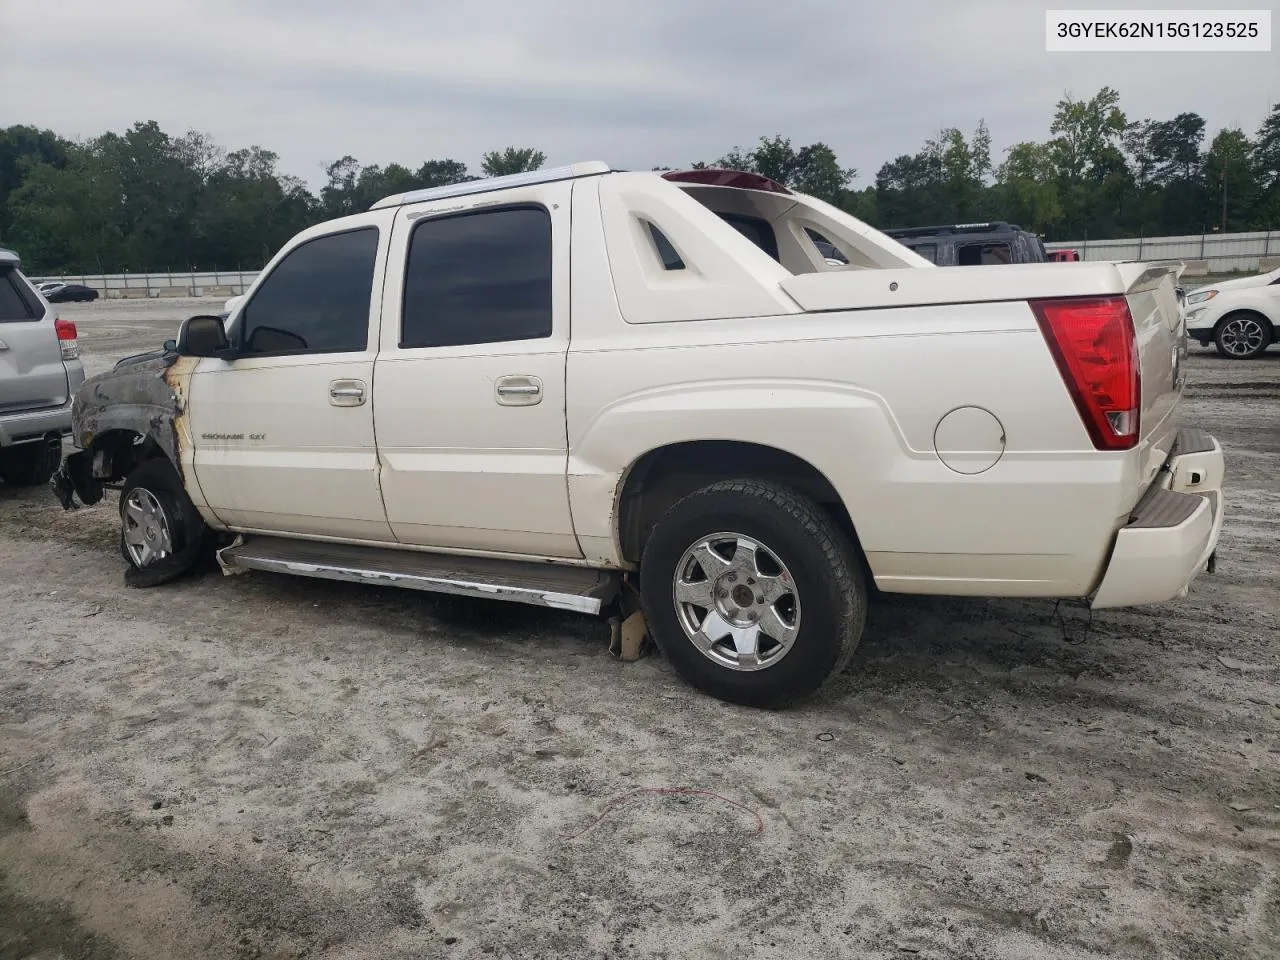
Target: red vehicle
(1064,256)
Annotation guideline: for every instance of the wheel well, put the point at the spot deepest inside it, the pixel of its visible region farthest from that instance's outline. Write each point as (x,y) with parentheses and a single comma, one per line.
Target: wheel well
(1266,321)
(121,451)
(663,476)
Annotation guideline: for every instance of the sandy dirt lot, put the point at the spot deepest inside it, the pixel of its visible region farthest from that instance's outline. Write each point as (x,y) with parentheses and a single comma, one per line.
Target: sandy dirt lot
(269,767)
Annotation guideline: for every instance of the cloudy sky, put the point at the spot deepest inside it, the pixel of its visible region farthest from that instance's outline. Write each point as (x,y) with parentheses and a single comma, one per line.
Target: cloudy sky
(636,84)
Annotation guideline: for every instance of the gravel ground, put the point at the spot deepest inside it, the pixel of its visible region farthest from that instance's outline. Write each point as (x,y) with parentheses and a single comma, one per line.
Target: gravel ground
(270,767)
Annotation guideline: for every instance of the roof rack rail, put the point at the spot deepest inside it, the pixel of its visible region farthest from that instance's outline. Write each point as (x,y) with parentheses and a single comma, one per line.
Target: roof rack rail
(990,226)
(589,168)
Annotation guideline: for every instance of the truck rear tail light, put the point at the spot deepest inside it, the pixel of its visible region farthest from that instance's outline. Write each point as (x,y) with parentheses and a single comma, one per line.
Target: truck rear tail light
(1093,343)
(67,339)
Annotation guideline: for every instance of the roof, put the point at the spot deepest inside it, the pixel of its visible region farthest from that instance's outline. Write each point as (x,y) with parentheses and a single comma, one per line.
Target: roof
(590,168)
(993,226)
(709,176)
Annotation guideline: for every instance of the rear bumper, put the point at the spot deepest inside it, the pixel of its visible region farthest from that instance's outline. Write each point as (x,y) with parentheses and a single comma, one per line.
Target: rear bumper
(1172,532)
(32,425)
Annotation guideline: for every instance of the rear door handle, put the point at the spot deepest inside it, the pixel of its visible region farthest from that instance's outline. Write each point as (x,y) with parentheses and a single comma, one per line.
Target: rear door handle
(346,393)
(518,390)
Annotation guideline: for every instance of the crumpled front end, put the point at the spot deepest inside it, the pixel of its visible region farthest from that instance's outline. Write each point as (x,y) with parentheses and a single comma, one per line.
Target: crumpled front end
(119,418)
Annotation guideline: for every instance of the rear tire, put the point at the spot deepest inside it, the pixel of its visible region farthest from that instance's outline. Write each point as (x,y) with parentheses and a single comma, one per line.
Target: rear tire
(1242,336)
(31,464)
(784,594)
(162,535)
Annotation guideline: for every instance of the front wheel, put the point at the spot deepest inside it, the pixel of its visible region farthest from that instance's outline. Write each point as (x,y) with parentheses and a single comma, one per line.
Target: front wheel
(1242,336)
(752,592)
(162,535)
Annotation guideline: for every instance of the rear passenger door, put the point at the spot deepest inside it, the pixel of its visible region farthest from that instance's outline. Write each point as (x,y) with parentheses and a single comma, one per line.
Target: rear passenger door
(469,386)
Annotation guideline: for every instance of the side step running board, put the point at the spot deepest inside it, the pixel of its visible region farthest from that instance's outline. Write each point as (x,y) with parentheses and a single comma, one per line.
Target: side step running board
(540,584)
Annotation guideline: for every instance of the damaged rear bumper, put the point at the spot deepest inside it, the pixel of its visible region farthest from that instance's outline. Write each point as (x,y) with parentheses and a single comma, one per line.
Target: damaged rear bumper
(1172,534)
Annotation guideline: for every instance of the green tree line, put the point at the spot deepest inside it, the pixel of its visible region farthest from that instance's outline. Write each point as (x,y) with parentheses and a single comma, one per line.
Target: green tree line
(148,200)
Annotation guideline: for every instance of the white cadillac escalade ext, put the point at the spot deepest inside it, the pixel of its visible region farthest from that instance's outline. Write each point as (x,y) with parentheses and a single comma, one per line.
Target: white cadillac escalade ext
(542,387)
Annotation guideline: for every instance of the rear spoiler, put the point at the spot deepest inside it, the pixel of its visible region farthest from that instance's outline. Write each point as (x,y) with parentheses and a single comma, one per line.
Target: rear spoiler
(9,258)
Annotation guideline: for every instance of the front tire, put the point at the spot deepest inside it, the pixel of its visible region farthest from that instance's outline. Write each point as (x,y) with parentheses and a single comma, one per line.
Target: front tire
(752,592)
(162,535)
(1242,336)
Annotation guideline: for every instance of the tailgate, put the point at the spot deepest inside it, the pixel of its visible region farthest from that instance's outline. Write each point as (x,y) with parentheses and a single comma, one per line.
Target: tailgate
(1159,322)
(32,375)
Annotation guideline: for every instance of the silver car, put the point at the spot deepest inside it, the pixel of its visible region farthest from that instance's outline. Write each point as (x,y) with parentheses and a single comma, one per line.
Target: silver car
(40,371)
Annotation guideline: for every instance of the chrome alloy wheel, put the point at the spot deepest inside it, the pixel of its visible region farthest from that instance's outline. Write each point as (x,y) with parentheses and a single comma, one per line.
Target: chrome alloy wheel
(1242,336)
(736,601)
(146,528)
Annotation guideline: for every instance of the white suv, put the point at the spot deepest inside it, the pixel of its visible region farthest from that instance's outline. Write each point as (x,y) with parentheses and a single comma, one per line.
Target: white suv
(1240,317)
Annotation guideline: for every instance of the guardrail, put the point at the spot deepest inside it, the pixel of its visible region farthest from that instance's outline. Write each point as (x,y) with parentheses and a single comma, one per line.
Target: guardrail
(1204,253)
(141,286)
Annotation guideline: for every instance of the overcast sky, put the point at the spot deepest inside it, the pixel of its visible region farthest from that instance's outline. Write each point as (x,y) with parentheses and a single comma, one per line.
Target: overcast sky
(632,83)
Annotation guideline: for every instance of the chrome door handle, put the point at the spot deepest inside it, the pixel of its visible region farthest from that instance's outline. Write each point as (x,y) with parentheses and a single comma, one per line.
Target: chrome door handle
(515,391)
(346,393)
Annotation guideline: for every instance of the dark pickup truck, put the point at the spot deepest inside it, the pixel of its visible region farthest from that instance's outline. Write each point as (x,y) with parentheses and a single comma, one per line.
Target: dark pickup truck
(973,244)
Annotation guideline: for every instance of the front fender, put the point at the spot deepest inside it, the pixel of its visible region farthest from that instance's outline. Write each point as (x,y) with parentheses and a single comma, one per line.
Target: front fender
(137,397)
(143,398)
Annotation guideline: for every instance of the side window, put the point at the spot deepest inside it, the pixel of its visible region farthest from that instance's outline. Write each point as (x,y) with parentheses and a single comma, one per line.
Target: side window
(317,298)
(927,250)
(16,304)
(982,254)
(478,278)
(666,252)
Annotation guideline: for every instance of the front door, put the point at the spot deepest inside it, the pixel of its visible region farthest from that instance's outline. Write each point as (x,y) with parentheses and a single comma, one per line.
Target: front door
(469,387)
(283,434)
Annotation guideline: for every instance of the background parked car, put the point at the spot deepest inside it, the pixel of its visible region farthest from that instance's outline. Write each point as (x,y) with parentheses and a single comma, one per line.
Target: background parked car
(58,292)
(1064,256)
(1240,317)
(972,244)
(40,371)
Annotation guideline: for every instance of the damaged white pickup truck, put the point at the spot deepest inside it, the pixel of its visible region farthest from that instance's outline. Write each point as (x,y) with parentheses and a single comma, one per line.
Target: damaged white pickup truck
(535,388)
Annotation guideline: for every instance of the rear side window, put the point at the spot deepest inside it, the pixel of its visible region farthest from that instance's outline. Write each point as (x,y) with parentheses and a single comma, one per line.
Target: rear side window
(981,254)
(927,250)
(317,298)
(17,303)
(478,278)
(666,252)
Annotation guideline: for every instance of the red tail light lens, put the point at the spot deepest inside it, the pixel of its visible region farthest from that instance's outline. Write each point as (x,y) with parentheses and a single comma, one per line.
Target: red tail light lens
(66,331)
(1092,341)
